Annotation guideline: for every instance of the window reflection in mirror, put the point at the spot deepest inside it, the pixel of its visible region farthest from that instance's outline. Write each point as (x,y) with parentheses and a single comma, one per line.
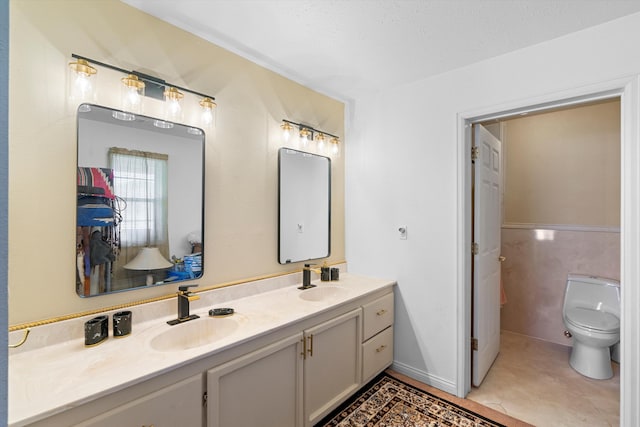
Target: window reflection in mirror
(140,201)
(304,206)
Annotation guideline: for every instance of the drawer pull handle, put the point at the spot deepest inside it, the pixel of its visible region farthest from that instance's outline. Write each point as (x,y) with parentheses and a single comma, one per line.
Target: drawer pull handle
(379,349)
(381,312)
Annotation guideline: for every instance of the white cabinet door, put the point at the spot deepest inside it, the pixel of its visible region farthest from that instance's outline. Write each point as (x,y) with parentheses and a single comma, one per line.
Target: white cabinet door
(262,388)
(176,405)
(332,366)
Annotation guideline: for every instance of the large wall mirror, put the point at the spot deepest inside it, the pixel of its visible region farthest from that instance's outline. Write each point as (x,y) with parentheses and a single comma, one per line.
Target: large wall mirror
(304,206)
(140,204)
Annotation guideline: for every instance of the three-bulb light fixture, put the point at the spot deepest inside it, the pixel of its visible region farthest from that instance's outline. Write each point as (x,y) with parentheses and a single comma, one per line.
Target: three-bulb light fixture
(325,143)
(135,87)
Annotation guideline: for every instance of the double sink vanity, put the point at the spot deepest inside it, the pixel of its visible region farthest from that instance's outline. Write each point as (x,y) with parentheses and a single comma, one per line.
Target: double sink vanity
(286,357)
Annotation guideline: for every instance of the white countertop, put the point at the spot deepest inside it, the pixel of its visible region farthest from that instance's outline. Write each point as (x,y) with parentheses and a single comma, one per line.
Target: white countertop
(53,378)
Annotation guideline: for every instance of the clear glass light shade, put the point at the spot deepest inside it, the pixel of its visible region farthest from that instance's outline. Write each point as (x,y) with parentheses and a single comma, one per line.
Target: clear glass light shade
(81,80)
(334,147)
(320,143)
(173,104)
(207,116)
(286,131)
(132,93)
(304,137)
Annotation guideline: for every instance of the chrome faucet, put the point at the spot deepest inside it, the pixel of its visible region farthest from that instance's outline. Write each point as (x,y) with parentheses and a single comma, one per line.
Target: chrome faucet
(306,276)
(184,297)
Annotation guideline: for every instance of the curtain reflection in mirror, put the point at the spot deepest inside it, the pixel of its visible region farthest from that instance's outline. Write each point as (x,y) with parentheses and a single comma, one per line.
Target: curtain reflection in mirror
(140,180)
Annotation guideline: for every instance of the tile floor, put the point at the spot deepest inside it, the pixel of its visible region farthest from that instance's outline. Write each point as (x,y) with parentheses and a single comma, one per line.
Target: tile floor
(531,380)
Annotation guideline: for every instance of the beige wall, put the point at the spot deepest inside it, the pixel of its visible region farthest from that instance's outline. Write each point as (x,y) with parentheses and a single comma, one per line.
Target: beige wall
(563,167)
(241,156)
(535,272)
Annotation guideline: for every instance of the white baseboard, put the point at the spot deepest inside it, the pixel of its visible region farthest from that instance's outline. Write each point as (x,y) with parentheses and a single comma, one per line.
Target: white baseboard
(425,377)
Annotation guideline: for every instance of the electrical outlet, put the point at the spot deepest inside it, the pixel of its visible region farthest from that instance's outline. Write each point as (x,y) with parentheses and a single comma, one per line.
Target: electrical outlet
(403,232)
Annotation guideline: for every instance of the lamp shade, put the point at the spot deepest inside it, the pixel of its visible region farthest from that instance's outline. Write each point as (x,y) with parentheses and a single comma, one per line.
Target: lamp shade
(148,259)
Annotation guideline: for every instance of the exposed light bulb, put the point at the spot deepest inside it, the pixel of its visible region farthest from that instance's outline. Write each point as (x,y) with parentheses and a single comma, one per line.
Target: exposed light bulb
(335,147)
(131,94)
(173,108)
(320,139)
(81,81)
(208,110)
(304,137)
(286,131)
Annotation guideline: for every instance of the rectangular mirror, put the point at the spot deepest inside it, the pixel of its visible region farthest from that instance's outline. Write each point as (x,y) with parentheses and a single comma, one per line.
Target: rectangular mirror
(304,206)
(139,201)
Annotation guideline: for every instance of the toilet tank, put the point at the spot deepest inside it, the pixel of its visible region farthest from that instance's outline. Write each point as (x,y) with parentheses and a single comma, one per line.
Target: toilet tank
(596,293)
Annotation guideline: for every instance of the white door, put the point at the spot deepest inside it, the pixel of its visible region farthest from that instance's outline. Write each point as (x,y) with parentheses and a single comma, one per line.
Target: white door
(486,276)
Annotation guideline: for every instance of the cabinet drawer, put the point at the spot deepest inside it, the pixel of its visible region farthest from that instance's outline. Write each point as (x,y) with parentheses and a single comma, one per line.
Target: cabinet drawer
(377,316)
(377,354)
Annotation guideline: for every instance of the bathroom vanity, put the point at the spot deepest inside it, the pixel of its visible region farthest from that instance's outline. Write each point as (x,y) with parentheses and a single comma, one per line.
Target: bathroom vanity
(287,357)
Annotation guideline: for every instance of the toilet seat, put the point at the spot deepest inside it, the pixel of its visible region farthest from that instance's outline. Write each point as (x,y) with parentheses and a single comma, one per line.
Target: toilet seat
(593,319)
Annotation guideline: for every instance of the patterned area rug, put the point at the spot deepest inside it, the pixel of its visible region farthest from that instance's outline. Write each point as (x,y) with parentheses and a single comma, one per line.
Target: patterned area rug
(389,402)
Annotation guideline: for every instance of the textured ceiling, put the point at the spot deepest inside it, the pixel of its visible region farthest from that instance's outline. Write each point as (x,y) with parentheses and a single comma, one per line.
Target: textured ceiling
(346,47)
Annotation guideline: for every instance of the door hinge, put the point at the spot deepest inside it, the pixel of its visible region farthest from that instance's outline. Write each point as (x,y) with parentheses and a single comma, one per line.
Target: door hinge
(204,399)
(474,153)
(474,344)
(475,248)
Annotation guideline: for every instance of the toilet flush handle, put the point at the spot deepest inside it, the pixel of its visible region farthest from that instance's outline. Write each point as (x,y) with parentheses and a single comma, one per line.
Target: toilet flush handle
(502,258)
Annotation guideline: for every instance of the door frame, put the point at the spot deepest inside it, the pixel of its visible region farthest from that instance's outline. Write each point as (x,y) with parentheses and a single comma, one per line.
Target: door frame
(627,89)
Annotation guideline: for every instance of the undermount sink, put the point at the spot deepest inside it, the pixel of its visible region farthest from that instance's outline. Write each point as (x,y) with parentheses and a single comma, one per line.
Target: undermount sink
(322,293)
(195,333)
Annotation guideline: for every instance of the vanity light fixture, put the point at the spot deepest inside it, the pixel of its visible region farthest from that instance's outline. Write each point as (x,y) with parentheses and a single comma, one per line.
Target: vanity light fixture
(208,111)
(334,147)
(131,92)
(81,80)
(320,138)
(162,124)
(307,134)
(135,87)
(286,130)
(304,136)
(121,115)
(173,104)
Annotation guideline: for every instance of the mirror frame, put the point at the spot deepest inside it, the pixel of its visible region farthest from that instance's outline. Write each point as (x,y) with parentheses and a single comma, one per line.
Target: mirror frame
(147,125)
(284,200)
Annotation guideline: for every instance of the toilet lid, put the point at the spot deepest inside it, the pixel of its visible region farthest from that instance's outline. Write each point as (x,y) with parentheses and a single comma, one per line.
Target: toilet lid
(593,319)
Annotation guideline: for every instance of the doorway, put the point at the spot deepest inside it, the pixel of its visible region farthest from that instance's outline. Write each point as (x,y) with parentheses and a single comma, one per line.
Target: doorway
(627,90)
(561,213)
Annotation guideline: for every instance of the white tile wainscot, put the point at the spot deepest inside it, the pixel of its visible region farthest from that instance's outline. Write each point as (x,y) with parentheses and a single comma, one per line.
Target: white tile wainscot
(55,380)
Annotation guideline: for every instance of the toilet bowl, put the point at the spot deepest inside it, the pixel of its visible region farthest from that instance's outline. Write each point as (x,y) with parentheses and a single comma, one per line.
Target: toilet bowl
(591,312)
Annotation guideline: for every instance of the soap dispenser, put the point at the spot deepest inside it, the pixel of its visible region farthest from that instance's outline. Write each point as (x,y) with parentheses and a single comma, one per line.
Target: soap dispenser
(325,272)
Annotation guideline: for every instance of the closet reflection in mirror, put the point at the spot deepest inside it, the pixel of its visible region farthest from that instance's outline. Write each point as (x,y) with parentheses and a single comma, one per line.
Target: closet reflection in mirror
(140,185)
(304,206)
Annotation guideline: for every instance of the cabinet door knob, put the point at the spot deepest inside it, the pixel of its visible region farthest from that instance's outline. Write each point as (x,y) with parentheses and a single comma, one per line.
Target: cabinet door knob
(379,349)
(381,312)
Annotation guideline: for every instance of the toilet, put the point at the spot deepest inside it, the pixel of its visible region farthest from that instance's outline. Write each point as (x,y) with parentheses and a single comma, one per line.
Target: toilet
(591,313)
